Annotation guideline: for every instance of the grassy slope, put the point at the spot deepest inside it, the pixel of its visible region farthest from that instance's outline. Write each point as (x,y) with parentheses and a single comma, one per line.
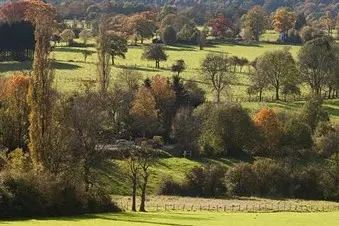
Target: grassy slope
(187,218)
(174,167)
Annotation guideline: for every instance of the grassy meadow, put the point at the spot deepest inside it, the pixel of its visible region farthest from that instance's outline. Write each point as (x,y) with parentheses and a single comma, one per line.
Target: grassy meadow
(187,219)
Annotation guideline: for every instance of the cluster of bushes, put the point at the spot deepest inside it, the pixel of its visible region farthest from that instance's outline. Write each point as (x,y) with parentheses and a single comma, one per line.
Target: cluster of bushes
(272,178)
(187,35)
(201,181)
(263,178)
(27,193)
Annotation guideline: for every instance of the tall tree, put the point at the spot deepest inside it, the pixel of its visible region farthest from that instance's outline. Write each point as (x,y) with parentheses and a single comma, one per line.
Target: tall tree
(256,22)
(220,25)
(103,48)
(117,46)
(216,70)
(316,60)
(40,91)
(279,68)
(284,20)
(145,112)
(155,52)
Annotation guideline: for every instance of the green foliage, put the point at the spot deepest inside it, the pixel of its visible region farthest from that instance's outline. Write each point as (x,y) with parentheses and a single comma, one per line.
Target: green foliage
(155,52)
(227,130)
(169,35)
(313,112)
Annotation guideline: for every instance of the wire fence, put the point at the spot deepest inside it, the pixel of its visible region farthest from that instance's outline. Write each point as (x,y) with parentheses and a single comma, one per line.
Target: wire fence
(274,207)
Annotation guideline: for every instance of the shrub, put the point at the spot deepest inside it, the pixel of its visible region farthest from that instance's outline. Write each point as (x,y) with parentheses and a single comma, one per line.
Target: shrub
(306,183)
(44,195)
(241,180)
(170,187)
(271,177)
(200,181)
(228,130)
(169,35)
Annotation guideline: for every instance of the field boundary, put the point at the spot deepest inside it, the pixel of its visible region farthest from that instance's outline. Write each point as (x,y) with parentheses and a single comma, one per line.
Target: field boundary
(234,208)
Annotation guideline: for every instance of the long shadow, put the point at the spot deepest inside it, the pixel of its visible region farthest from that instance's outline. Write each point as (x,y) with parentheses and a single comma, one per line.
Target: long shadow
(180,48)
(65,66)
(27,65)
(138,68)
(69,49)
(15,66)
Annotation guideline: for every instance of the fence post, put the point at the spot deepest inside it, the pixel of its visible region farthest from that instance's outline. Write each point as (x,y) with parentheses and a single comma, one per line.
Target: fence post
(165,207)
(224,208)
(217,208)
(192,207)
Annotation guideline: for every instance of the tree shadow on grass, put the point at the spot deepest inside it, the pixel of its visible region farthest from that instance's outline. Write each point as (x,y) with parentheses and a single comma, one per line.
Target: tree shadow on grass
(65,66)
(180,48)
(137,68)
(150,218)
(69,49)
(27,65)
(15,66)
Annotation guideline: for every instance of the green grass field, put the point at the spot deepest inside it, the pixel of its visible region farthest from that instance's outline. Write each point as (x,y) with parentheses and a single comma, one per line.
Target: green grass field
(186,219)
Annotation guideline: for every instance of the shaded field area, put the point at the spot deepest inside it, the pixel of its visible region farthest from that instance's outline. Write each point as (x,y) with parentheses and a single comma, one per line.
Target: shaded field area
(187,219)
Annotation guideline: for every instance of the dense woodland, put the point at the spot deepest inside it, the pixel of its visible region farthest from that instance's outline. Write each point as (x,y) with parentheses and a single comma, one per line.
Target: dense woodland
(57,148)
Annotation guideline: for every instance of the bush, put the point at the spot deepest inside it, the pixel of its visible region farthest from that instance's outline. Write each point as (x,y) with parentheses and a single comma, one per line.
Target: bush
(170,187)
(241,180)
(169,35)
(207,181)
(228,130)
(306,183)
(44,195)
(272,178)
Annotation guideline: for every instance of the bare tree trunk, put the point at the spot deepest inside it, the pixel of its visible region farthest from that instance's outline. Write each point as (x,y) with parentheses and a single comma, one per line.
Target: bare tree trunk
(260,95)
(218,96)
(143,196)
(134,194)
(113,63)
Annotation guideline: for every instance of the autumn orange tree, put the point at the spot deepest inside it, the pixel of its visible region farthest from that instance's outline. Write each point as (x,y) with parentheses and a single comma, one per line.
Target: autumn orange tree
(144,111)
(164,97)
(41,15)
(284,20)
(267,121)
(14,112)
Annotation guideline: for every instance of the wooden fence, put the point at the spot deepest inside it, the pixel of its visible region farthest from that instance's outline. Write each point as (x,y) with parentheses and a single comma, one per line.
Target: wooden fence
(274,207)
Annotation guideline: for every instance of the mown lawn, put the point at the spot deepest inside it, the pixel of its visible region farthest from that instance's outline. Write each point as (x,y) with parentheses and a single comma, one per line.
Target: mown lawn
(187,218)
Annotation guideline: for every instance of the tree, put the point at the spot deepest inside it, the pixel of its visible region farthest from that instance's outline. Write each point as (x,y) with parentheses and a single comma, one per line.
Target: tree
(226,130)
(86,53)
(255,22)
(179,66)
(142,25)
(165,102)
(220,26)
(85,35)
(40,91)
(259,83)
(147,157)
(103,48)
(84,121)
(186,129)
(267,121)
(144,111)
(216,70)
(169,35)
(309,33)
(278,67)
(312,113)
(67,36)
(300,21)
(14,112)
(155,52)
(117,46)
(284,20)
(316,59)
